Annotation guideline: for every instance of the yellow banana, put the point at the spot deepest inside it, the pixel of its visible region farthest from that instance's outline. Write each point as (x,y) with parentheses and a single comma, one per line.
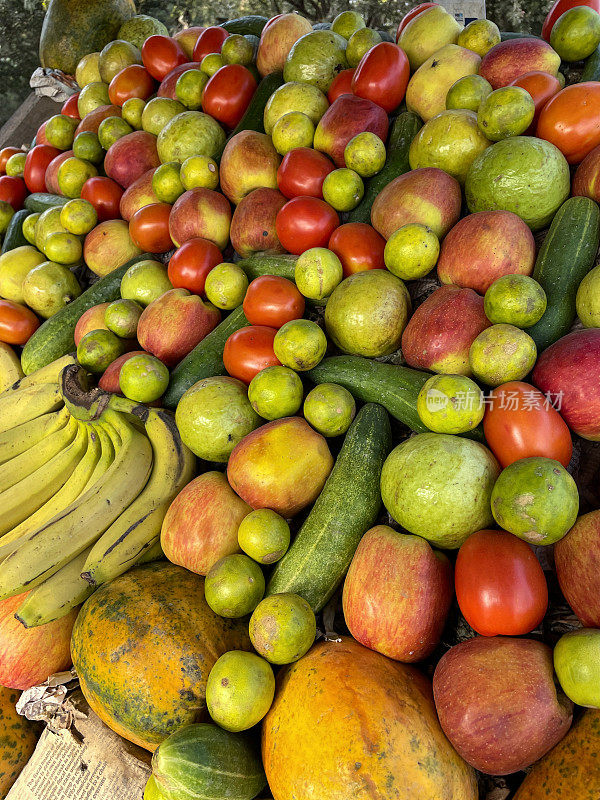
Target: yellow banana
(57,595)
(20,467)
(17,440)
(53,545)
(29,403)
(49,374)
(107,455)
(74,486)
(10,367)
(29,494)
(121,545)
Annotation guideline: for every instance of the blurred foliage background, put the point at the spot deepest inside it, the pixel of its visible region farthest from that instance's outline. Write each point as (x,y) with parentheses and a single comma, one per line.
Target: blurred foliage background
(21,23)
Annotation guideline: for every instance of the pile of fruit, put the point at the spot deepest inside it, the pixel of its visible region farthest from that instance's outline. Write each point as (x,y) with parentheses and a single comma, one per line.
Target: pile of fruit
(299,390)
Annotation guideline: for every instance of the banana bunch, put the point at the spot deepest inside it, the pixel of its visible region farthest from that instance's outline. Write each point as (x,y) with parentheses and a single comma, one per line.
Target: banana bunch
(86,479)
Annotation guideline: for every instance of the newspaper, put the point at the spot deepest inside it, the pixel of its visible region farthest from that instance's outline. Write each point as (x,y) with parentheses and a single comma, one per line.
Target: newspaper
(78,757)
(465,11)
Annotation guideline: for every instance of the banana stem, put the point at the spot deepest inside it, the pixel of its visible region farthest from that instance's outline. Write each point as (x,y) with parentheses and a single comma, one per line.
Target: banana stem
(83,403)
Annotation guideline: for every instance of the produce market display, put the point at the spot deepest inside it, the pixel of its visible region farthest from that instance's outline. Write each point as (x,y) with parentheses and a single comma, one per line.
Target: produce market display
(300,403)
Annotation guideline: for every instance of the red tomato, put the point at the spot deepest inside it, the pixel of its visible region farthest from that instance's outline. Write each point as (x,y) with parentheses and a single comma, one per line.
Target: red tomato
(302,172)
(341,84)
(17,323)
(210,41)
(305,222)
(133,81)
(5,154)
(414,12)
(358,246)
(519,422)
(13,190)
(105,195)
(248,351)
(69,108)
(149,228)
(161,54)
(227,94)
(570,120)
(500,586)
(541,86)
(273,301)
(382,76)
(559,8)
(190,264)
(36,164)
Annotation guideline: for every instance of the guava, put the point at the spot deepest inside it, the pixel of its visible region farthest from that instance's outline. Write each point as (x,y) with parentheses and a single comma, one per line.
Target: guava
(316,58)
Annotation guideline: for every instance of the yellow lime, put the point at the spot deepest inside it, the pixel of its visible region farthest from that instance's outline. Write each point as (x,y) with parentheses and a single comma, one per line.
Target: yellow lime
(505,112)
(158,112)
(211,64)
(347,23)
(98,349)
(576,33)
(360,43)
(132,111)
(87,146)
(264,536)
(343,189)
(92,96)
(117,55)
(143,378)
(29,226)
(330,409)
(275,392)
(479,36)
(468,92)
(190,88)
(72,174)
(60,131)
(292,130)
(7,212)
(199,172)
(78,217)
(237,50)
(317,272)
(87,70)
(111,129)
(166,182)
(300,344)
(145,282)
(226,286)
(15,165)
(64,248)
(411,252)
(450,404)
(365,154)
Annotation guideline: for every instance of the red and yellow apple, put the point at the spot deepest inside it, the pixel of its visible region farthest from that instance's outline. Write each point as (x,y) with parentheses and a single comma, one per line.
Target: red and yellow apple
(130,157)
(249,162)
(345,118)
(577,561)
(138,195)
(108,246)
(200,214)
(253,222)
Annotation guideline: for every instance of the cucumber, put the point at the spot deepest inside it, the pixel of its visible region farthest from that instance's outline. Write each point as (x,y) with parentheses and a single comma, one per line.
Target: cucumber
(282,265)
(42,201)
(396,388)
(54,338)
(253,23)
(591,67)
(322,26)
(565,257)
(14,233)
(253,117)
(506,36)
(205,360)
(348,506)
(386,36)
(405,128)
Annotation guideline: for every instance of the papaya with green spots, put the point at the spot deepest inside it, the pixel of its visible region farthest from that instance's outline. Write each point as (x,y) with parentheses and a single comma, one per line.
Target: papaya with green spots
(18,738)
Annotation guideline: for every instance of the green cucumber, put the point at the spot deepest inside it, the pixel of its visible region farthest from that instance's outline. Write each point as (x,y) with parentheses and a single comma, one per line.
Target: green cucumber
(348,506)
(253,117)
(386,36)
(54,338)
(396,388)
(42,201)
(565,257)
(14,233)
(253,23)
(282,265)
(405,128)
(506,36)
(591,67)
(205,360)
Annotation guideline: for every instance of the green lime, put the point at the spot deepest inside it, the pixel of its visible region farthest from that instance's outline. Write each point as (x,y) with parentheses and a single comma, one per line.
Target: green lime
(7,212)
(347,23)
(60,131)
(506,112)
(199,172)
(576,33)
(190,88)
(87,70)
(226,286)
(29,224)
(72,174)
(283,628)
(450,404)
(588,299)
(468,92)
(15,165)
(92,96)
(122,317)
(411,252)
(343,189)
(49,287)
(145,282)
(132,111)
(78,217)
(115,56)
(317,272)
(239,690)
(275,392)
(502,353)
(264,535)
(330,409)
(480,36)
(237,50)
(211,64)
(64,248)
(98,349)
(292,130)
(360,43)
(143,378)
(516,300)
(158,112)
(86,146)
(365,154)
(300,344)
(166,182)
(577,666)
(111,129)
(234,586)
